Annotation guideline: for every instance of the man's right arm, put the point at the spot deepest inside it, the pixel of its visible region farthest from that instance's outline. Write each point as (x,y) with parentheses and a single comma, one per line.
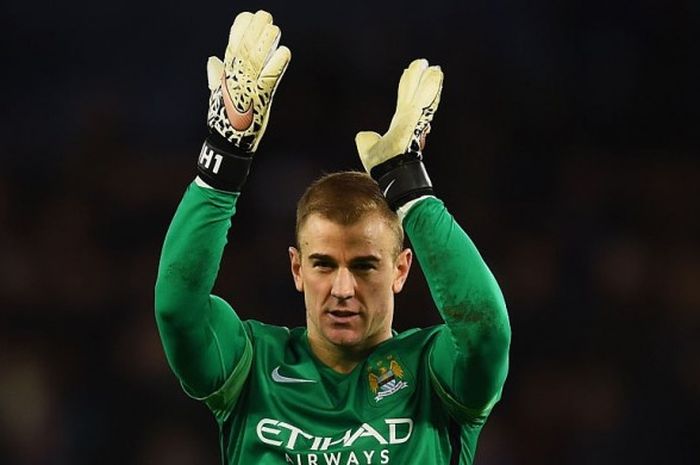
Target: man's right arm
(203,338)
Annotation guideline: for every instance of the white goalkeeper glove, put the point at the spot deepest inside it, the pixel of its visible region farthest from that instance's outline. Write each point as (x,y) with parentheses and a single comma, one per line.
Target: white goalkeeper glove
(242,88)
(394,160)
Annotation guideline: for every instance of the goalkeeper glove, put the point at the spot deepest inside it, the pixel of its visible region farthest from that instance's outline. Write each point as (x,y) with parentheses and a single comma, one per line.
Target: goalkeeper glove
(394,160)
(242,88)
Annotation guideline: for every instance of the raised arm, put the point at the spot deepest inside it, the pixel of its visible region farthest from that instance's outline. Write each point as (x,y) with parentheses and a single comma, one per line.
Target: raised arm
(202,336)
(469,360)
(204,340)
(469,357)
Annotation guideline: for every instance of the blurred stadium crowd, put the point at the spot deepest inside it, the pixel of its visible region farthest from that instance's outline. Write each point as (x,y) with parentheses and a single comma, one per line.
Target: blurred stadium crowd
(566,145)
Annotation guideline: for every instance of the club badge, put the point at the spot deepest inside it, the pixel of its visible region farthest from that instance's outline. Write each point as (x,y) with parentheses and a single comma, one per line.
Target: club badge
(386,377)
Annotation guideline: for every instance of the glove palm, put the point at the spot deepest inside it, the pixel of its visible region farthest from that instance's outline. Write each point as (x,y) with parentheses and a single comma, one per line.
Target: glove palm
(243,85)
(418,98)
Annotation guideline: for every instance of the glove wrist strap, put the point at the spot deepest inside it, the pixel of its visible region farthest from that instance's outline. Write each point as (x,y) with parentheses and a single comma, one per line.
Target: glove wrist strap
(402,178)
(222,165)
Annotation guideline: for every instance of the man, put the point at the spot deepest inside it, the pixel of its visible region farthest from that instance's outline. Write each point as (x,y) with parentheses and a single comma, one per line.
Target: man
(346,389)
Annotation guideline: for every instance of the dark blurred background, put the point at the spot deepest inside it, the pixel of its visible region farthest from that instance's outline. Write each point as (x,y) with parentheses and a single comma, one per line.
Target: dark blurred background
(566,144)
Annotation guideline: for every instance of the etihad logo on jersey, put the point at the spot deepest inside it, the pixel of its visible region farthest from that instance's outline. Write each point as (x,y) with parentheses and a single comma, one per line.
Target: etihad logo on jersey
(365,457)
(386,377)
(279,433)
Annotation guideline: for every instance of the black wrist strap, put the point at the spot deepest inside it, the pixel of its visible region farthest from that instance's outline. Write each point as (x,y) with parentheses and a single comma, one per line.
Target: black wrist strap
(222,165)
(402,178)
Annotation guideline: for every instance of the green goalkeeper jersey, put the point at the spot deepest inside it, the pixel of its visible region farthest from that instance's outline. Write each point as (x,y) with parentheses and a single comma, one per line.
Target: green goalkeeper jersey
(420,397)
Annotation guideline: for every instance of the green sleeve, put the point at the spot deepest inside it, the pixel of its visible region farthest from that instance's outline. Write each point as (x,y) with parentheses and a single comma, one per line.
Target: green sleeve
(204,340)
(469,357)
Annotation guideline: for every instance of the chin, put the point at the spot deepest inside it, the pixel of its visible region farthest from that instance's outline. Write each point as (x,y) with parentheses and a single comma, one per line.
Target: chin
(344,338)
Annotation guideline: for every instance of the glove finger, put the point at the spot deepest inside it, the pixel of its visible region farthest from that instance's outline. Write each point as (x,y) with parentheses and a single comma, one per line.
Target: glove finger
(235,37)
(429,88)
(250,47)
(407,88)
(365,140)
(409,81)
(215,69)
(267,44)
(275,67)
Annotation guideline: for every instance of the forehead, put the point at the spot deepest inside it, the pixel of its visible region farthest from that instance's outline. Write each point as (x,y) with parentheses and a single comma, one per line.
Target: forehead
(369,235)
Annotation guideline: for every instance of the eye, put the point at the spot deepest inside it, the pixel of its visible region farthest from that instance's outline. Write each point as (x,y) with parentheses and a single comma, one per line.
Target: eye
(364,266)
(322,264)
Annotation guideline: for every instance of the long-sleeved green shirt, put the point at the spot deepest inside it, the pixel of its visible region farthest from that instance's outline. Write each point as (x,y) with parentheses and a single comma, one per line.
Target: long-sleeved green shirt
(420,397)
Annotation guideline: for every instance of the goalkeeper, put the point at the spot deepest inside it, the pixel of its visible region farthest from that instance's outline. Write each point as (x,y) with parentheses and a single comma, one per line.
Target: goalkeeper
(345,389)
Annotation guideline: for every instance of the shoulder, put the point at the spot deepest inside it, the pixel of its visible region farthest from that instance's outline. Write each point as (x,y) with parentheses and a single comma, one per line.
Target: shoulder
(418,335)
(259,329)
(272,338)
(416,341)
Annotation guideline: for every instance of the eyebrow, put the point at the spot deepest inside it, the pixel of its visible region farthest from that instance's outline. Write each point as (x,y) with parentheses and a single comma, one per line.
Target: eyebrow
(363,258)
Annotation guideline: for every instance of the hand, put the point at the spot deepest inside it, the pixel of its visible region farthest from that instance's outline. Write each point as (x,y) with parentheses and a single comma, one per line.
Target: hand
(394,160)
(418,99)
(243,85)
(242,88)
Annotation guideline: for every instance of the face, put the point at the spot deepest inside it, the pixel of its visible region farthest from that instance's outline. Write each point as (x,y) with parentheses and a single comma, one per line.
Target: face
(349,275)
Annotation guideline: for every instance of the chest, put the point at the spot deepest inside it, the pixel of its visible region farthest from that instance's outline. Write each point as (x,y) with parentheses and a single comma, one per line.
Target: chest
(294,404)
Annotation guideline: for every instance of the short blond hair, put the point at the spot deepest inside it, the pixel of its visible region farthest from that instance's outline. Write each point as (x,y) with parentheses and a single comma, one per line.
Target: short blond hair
(345,198)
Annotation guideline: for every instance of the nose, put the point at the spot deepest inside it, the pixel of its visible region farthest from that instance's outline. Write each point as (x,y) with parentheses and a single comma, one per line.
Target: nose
(343,284)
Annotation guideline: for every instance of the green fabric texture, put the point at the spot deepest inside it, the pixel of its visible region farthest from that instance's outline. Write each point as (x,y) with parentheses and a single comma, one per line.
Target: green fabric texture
(276,403)
(203,338)
(222,401)
(469,361)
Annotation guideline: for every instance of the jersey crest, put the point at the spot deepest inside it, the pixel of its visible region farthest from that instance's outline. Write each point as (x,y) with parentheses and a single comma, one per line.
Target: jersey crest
(386,377)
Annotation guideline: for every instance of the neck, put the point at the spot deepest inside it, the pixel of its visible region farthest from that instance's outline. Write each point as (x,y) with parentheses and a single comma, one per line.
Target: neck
(342,359)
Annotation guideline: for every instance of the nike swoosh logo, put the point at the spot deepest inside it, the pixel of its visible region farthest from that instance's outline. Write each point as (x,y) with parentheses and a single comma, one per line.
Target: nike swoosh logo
(278,378)
(239,121)
(388,187)
(423,136)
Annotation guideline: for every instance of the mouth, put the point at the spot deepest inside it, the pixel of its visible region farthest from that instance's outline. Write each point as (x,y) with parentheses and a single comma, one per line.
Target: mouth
(342,316)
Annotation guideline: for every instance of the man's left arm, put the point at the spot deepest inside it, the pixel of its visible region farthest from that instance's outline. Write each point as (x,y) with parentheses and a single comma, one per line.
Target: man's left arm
(469,359)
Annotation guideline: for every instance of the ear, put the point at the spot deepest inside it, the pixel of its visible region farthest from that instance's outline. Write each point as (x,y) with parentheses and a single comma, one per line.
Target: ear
(402,267)
(295,262)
